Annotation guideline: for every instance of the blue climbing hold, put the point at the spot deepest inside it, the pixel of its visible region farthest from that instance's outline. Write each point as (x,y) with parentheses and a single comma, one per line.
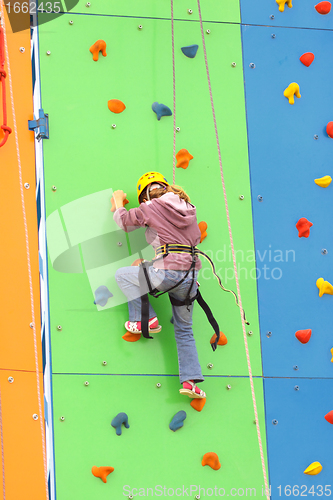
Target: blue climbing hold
(177,421)
(161,110)
(190,50)
(121,418)
(102,295)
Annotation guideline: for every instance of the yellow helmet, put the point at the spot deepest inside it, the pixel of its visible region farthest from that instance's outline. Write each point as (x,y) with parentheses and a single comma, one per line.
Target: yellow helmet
(148,178)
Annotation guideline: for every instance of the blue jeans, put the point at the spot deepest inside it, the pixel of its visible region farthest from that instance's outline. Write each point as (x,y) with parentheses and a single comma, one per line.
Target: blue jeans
(163,279)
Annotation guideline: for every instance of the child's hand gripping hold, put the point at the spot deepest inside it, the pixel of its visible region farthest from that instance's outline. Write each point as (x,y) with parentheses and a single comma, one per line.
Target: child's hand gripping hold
(118,200)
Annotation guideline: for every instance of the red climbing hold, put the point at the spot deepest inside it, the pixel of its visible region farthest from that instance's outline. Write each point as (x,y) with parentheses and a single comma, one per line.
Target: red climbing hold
(6,130)
(307,58)
(329,129)
(329,417)
(303,336)
(323,7)
(303,227)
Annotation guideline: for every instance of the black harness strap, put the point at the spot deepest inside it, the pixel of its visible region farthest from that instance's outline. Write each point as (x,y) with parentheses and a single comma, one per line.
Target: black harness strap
(203,304)
(143,279)
(210,318)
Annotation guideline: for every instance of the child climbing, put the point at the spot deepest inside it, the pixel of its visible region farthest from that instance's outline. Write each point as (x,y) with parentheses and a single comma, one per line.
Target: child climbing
(165,210)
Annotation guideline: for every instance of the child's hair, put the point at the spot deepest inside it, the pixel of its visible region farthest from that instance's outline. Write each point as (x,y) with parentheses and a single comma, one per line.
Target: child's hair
(156,193)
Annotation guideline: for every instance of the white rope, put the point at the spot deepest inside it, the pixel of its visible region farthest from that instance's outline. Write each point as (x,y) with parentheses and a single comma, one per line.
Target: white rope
(41,419)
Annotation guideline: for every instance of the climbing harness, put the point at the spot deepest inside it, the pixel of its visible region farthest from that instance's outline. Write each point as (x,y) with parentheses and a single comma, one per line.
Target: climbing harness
(7,130)
(161,252)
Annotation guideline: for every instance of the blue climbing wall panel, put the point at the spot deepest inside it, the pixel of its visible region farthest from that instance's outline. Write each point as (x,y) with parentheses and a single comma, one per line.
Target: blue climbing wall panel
(284,161)
(288,149)
(300,436)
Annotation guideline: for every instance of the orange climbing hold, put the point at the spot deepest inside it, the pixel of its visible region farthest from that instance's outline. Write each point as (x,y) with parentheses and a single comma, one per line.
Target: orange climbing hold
(137,262)
(332,355)
(329,129)
(329,417)
(212,460)
(116,106)
(183,158)
(203,230)
(222,340)
(323,7)
(131,337)
(303,336)
(307,58)
(198,403)
(96,48)
(113,205)
(102,472)
(303,227)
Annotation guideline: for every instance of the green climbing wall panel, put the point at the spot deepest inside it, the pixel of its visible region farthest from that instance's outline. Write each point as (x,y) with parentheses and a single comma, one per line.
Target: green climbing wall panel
(85,159)
(149,453)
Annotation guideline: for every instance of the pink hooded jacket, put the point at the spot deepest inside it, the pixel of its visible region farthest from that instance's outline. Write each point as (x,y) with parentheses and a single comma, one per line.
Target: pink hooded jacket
(169,219)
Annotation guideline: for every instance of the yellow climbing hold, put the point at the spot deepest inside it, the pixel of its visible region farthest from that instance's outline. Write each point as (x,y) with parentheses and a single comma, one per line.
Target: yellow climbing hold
(281,4)
(324,287)
(332,355)
(313,469)
(291,90)
(324,181)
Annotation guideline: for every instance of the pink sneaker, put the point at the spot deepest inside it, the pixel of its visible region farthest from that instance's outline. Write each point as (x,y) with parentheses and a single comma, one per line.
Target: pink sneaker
(135,326)
(191,390)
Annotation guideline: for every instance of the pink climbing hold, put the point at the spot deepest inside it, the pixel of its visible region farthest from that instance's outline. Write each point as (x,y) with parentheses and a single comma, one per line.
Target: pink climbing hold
(307,58)
(329,129)
(303,336)
(329,417)
(323,7)
(303,227)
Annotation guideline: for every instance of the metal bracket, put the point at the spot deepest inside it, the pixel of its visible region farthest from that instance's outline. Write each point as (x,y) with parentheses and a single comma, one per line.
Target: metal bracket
(42,123)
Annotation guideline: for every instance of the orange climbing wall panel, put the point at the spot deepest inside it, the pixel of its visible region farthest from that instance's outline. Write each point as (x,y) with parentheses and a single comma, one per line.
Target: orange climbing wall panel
(22,439)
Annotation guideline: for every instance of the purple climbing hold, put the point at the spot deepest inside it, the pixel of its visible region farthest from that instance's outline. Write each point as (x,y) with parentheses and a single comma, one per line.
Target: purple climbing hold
(119,419)
(102,295)
(190,50)
(161,110)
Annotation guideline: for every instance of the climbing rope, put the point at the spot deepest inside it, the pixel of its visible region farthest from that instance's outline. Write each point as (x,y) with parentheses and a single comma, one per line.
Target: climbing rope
(3,75)
(33,324)
(234,259)
(229,225)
